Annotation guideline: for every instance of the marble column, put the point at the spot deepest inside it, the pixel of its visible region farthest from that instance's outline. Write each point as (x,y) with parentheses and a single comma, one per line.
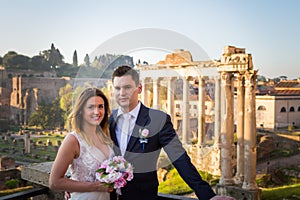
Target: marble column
(227,131)
(239,177)
(217,110)
(155,93)
(144,92)
(185,110)
(170,97)
(201,112)
(250,131)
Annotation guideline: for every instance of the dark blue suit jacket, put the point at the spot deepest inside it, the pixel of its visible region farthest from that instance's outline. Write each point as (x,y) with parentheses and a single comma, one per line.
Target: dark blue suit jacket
(144,185)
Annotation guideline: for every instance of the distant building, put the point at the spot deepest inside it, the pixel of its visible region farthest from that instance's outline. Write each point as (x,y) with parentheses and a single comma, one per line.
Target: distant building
(280,107)
(4,94)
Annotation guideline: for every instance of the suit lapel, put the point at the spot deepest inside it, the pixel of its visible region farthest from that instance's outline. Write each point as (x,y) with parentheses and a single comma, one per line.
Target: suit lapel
(141,121)
(113,124)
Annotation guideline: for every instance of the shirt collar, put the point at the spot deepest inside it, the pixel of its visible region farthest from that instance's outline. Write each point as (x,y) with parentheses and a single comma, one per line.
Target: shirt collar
(134,112)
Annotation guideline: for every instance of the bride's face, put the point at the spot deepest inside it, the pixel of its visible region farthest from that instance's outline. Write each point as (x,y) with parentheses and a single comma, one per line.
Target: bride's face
(93,111)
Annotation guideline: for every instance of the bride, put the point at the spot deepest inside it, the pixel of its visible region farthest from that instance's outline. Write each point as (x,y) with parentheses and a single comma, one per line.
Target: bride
(84,149)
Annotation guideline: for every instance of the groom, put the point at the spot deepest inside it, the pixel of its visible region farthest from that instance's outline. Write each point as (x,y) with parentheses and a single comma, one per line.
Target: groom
(148,131)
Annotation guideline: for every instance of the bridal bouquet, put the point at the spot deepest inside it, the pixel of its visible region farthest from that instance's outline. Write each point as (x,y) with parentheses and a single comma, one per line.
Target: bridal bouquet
(115,172)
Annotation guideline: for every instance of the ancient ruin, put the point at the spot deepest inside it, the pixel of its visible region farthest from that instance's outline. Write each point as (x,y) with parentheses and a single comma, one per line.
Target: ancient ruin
(221,156)
(215,153)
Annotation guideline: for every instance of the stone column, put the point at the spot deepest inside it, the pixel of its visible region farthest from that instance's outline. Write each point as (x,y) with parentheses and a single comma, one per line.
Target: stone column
(217,110)
(227,131)
(170,98)
(185,110)
(144,94)
(27,142)
(155,93)
(201,112)
(250,131)
(239,177)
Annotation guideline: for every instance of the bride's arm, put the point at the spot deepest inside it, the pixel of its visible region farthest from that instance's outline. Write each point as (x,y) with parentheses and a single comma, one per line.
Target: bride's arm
(68,151)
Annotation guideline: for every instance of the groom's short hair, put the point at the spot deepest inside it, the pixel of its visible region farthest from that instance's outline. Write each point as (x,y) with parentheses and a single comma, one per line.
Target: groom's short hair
(126,70)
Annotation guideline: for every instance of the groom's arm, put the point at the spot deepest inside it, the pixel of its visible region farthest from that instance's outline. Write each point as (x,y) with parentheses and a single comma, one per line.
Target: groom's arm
(182,162)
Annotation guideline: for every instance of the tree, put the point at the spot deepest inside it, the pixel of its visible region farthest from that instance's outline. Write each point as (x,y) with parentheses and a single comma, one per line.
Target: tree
(6,58)
(87,60)
(261,78)
(53,56)
(14,60)
(67,97)
(75,61)
(65,94)
(48,116)
(39,62)
(95,63)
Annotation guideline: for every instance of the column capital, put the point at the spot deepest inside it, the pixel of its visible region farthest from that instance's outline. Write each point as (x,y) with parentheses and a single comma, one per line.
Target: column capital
(226,76)
(250,78)
(240,79)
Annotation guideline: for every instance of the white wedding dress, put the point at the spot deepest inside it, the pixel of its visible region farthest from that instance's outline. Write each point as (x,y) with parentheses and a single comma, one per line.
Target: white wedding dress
(84,167)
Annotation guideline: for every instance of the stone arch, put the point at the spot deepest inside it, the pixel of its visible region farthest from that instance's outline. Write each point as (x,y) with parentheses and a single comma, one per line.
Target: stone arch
(283,109)
(261,108)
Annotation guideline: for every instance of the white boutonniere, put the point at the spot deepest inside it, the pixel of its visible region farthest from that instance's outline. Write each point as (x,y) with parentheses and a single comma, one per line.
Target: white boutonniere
(144,133)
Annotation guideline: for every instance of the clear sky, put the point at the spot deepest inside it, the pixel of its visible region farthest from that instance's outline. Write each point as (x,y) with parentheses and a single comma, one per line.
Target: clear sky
(268,29)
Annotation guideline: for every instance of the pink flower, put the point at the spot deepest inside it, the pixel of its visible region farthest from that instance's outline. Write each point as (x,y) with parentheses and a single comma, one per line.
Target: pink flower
(115,171)
(144,133)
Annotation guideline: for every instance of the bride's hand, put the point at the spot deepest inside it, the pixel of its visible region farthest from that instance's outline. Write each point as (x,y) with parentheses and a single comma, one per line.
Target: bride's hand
(67,195)
(104,188)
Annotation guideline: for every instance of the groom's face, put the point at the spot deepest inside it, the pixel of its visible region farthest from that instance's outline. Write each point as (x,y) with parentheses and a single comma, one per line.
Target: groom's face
(126,92)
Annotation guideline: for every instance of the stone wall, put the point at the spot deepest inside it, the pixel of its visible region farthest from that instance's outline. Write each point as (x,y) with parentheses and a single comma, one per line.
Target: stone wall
(7,175)
(6,163)
(28,92)
(206,159)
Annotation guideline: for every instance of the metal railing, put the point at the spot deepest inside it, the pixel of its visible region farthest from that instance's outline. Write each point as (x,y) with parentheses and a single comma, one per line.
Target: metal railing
(26,194)
(44,190)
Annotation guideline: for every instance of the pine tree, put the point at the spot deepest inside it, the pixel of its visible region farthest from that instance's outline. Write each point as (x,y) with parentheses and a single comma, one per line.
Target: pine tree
(75,61)
(87,60)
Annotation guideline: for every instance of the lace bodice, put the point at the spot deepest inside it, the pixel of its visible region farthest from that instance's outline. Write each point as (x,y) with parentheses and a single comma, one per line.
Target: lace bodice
(83,168)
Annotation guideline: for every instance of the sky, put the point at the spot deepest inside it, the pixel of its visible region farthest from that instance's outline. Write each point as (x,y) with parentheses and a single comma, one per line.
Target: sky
(269,30)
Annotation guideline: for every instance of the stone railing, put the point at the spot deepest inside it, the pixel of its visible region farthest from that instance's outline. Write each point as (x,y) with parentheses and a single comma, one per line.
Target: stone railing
(38,173)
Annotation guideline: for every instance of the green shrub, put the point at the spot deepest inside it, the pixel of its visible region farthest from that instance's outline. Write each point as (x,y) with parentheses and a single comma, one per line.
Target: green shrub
(13,183)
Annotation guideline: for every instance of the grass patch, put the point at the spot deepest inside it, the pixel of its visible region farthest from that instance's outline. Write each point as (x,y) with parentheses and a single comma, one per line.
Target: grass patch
(279,193)
(39,151)
(174,184)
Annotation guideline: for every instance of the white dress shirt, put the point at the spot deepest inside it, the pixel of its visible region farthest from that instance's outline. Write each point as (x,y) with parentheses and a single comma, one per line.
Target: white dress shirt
(133,116)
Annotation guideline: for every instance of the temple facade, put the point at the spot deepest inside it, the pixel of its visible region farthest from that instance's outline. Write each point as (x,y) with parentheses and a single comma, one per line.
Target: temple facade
(218,152)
